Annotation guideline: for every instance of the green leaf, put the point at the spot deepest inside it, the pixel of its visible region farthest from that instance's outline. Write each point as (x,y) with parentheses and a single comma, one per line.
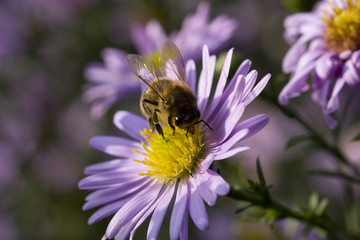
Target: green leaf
(313,201)
(321,207)
(356,138)
(340,175)
(239,210)
(252,184)
(260,173)
(265,188)
(296,140)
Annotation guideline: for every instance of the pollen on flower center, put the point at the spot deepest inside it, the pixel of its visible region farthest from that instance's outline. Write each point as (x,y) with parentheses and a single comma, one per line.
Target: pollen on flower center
(174,158)
(343,28)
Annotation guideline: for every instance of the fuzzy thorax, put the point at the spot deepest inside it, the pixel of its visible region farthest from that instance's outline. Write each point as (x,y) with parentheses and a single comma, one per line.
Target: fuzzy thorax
(175,157)
(343,28)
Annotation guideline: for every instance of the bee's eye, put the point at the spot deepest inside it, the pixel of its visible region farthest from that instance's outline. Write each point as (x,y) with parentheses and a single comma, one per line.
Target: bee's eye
(179,120)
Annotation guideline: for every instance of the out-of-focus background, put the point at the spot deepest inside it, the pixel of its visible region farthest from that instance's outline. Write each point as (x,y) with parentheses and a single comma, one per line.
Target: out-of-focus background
(45,125)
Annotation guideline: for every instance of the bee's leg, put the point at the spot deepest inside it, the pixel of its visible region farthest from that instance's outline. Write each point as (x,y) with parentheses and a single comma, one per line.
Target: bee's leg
(188,130)
(157,125)
(148,112)
(149,102)
(151,124)
(171,124)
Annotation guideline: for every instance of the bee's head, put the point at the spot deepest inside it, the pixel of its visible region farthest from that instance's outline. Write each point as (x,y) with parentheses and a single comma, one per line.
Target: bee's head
(187,118)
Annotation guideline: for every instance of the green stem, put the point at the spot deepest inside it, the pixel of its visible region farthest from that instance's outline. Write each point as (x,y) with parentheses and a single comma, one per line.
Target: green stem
(292,113)
(283,211)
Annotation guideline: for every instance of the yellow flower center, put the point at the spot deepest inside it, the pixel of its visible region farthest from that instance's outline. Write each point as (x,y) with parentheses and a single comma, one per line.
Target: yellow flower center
(343,28)
(173,158)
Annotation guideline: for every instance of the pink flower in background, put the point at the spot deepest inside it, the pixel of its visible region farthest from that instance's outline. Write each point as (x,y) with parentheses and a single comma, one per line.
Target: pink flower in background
(112,80)
(148,171)
(326,47)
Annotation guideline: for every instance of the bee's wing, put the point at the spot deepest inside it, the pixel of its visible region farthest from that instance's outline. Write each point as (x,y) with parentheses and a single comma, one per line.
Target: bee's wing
(171,63)
(145,69)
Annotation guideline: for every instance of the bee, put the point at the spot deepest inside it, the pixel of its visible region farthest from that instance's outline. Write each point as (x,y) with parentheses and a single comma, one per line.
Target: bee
(168,95)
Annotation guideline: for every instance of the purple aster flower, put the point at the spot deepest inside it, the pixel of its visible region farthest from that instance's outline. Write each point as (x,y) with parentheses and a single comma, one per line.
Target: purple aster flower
(326,46)
(113,80)
(196,31)
(148,171)
(109,81)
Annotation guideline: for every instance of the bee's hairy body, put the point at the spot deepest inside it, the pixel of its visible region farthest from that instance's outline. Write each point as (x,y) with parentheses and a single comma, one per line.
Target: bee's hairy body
(177,105)
(168,95)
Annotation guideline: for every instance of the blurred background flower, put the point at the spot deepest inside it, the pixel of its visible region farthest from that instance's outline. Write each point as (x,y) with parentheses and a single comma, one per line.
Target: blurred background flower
(325,45)
(45,125)
(112,81)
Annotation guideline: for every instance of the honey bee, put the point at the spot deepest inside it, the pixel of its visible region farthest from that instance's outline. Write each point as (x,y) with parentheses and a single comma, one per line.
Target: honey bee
(168,95)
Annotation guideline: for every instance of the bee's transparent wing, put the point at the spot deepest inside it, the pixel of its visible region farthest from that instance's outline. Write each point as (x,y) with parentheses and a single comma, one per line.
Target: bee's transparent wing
(143,67)
(171,63)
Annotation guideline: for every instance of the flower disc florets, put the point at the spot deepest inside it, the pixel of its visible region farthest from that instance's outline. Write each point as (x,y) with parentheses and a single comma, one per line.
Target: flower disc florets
(175,157)
(343,28)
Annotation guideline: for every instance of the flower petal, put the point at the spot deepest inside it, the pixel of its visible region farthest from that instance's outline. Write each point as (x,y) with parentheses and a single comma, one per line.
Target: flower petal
(150,38)
(205,164)
(167,192)
(108,195)
(326,65)
(243,69)
(222,81)
(159,214)
(99,108)
(291,58)
(257,89)
(131,226)
(232,140)
(180,209)
(206,78)
(296,23)
(115,190)
(131,209)
(116,146)
(223,130)
(108,165)
(201,180)
(109,179)
(254,125)
(98,73)
(333,103)
(197,208)
(230,153)
(130,124)
(297,83)
(217,184)
(227,103)
(250,80)
(352,70)
(191,74)
(106,211)
(184,228)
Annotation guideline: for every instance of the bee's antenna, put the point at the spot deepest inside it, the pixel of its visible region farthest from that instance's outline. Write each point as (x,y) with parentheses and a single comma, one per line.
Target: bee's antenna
(204,123)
